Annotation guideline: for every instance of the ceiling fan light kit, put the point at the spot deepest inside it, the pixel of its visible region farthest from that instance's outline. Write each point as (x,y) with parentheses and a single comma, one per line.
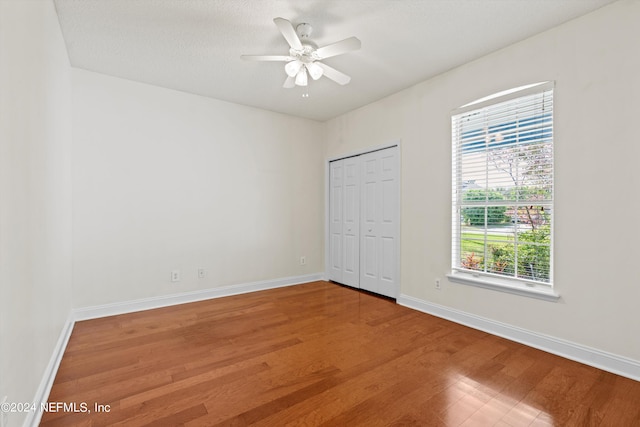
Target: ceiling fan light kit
(304,58)
(292,68)
(315,71)
(301,78)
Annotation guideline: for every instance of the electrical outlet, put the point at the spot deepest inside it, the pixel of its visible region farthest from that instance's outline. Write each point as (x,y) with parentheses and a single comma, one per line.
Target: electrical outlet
(201,273)
(437,283)
(303,260)
(175,275)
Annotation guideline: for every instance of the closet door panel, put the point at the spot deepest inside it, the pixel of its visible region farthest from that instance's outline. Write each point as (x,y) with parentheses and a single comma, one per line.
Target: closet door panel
(336,196)
(351,223)
(388,282)
(379,204)
(370,206)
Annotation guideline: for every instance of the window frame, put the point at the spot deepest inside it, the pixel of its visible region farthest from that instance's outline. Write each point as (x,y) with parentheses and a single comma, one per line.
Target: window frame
(484,279)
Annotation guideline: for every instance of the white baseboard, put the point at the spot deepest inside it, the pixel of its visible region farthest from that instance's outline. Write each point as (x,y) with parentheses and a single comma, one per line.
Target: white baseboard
(186,297)
(42,393)
(589,356)
(86,313)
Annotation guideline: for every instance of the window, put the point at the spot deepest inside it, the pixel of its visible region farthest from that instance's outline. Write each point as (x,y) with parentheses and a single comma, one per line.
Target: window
(503,190)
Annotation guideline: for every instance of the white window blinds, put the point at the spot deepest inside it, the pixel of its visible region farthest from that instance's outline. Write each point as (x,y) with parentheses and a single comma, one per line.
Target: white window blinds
(503,185)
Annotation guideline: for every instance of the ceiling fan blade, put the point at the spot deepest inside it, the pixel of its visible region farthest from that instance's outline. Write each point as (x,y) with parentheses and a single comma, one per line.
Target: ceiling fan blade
(288,32)
(334,74)
(338,48)
(266,57)
(289,83)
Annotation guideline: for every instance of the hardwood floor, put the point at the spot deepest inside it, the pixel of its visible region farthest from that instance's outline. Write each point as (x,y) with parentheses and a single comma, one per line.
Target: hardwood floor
(321,354)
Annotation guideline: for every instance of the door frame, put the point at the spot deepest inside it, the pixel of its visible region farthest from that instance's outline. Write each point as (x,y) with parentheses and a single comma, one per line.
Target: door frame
(327,186)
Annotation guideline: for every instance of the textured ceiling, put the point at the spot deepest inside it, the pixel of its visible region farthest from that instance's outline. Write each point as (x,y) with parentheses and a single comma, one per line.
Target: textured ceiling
(195,45)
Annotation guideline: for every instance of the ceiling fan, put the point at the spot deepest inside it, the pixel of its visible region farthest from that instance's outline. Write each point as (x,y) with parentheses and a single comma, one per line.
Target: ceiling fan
(304,57)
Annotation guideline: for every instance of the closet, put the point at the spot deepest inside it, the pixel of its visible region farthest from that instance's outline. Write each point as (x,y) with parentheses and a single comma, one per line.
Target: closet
(364,221)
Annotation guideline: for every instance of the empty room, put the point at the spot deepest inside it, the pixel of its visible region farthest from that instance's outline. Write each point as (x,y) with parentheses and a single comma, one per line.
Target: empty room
(319,212)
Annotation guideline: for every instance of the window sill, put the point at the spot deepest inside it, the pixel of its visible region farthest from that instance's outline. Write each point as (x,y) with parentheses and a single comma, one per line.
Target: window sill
(504,285)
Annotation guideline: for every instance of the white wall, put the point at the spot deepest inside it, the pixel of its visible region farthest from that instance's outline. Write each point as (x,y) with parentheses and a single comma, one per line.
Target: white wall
(35,194)
(594,61)
(166,180)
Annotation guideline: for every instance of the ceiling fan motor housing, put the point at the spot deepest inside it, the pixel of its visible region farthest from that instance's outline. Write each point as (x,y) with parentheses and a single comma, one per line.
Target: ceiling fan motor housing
(307,54)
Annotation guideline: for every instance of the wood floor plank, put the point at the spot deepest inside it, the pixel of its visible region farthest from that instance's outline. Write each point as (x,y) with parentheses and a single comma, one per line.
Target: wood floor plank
(321,354)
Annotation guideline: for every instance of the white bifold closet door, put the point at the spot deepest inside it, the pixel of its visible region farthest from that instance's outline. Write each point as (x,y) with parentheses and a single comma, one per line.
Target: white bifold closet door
(363,220)
(345,222)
